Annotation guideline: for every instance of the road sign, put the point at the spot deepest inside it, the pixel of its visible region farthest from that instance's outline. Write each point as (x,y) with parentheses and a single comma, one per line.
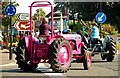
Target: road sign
(100,17)
(23,25)
(10,10)
(24,16)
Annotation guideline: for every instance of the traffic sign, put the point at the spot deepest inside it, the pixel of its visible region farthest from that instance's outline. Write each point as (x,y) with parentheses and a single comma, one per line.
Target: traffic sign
(24,16)
(10,10)
(100,17)
(23,25)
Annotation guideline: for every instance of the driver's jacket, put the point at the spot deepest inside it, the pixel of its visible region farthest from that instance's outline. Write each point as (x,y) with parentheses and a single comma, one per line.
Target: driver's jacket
(95,32)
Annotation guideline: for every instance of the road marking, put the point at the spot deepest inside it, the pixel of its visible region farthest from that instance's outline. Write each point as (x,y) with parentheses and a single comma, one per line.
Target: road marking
(52,75)
(55,75)
(10,64)
(42,68)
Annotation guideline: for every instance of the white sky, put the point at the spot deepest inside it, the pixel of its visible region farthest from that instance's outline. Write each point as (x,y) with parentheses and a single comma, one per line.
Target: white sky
(23,6)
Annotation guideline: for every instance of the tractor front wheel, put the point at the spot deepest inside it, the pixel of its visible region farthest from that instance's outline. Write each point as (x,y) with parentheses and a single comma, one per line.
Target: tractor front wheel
(103,56)
(60,55)
(87,59)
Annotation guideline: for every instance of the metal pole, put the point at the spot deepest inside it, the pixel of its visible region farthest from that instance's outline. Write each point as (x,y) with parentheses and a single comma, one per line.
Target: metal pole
(67,11)
(10,55)
(100,24)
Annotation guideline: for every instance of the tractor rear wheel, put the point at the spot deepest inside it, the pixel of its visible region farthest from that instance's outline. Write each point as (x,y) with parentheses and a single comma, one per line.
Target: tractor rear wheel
(112,50)
(23,64)
(60,55)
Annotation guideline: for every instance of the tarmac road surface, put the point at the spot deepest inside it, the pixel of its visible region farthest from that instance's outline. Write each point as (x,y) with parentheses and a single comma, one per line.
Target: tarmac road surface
(99,69)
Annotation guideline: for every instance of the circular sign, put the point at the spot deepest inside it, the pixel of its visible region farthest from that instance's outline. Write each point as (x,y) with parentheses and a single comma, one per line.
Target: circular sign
(10,10)
(100,17)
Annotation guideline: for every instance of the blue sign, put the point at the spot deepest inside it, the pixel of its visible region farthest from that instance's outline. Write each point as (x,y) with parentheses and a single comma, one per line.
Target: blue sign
(100,17)
(10,10)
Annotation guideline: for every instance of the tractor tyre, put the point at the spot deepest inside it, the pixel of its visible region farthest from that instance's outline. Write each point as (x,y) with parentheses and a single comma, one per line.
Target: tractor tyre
(87,59)
(112,50)
(103,56)
(23,64)
(60,55)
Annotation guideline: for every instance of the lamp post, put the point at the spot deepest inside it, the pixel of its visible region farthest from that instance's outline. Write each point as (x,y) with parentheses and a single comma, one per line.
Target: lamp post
(100,24)
(10,55)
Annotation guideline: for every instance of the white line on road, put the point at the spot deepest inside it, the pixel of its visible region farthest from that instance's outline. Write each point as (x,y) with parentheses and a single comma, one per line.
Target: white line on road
(52,75)
(40,66)
(55,75)
(10,64)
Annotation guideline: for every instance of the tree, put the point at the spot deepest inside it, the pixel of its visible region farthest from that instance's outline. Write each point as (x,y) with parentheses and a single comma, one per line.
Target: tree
(39,13)
(87,11)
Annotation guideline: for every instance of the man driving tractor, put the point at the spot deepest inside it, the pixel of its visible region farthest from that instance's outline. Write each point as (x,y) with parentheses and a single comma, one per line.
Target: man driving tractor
(94,33)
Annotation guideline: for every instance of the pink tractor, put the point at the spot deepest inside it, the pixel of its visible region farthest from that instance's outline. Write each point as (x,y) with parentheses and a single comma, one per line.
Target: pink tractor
(57,49)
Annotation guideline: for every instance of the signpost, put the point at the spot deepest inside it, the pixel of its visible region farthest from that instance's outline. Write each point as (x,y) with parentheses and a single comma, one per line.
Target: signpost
(24,16)
(100,18)
(10,11)
(23,25)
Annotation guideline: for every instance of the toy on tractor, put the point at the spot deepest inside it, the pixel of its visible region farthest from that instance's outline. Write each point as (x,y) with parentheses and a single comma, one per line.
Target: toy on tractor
(57,49)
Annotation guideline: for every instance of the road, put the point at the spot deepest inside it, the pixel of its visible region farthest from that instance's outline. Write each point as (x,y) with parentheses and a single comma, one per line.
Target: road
(99,69)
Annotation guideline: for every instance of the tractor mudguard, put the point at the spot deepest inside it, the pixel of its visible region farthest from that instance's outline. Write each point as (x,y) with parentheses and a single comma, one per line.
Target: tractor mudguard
(28,40)
(106,42)
(107,39)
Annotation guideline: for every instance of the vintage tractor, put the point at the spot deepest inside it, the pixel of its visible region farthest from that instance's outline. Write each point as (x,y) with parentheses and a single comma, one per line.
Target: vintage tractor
(57,49)
(106,48)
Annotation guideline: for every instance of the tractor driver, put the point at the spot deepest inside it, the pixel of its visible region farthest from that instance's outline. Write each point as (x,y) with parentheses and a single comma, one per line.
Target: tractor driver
(44,28)
(94,33)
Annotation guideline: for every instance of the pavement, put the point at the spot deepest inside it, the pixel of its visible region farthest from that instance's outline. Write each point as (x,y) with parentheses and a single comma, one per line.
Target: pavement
(4,57)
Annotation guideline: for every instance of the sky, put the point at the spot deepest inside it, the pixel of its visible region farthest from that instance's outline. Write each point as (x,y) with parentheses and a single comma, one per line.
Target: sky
(23,6)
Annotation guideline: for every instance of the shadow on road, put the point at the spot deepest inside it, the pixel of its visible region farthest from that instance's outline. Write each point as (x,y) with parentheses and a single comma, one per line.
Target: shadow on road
(38,70)
(11,70)
(99,61)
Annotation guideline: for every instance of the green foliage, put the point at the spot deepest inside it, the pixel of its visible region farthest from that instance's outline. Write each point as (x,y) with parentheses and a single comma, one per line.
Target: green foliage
(88,11)
(117,23)
(77,27)
(5,39)
(109,29)
(15,38)
(39,13)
